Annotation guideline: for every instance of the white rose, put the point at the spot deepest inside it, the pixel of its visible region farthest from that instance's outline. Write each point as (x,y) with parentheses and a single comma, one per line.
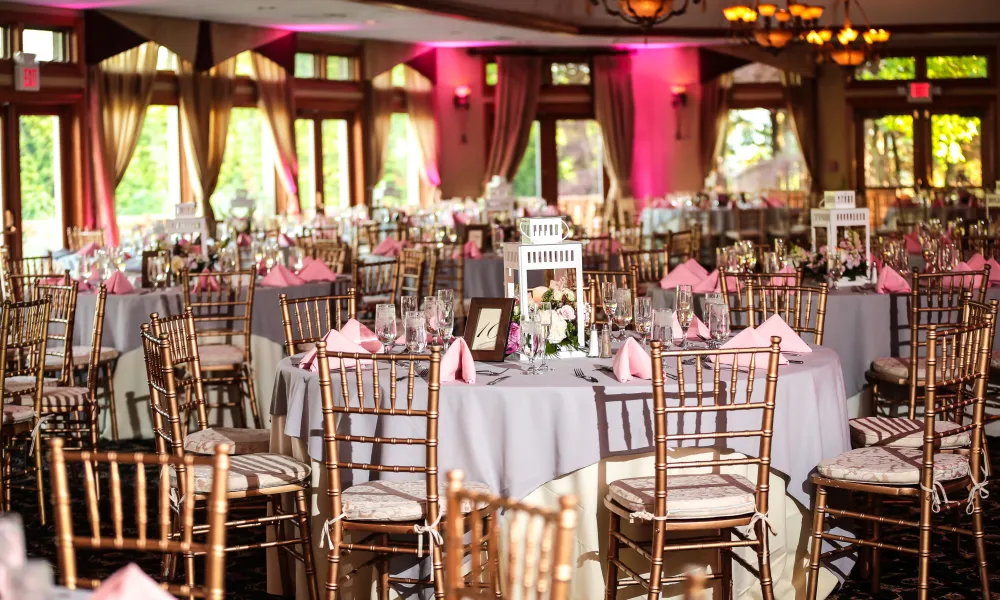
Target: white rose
(566,312)
(557,295)
(570,296)
(557,331)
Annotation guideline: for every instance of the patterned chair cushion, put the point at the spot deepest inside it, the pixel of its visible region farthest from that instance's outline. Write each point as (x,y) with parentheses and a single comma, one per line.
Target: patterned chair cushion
(376,299)
(59,397)
(689,496)
(397,500)
(240,440)
(995,360)
(899,466)
(902,433)
(20,383)
(251,472)
(896,367)
(217,355)
(14,413)
(742,234)
(81,355)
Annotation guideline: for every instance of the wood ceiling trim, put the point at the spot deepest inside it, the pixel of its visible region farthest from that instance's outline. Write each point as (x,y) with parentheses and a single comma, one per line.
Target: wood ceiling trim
(484,14)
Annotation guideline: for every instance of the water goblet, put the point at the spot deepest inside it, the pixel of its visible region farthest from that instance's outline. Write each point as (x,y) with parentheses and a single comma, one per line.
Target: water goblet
(447,298)
(407,304)
(623,310)
(718,323)
(531,340)
(431,315)
(416,332)
(385,325)
(544,321)
(643,316)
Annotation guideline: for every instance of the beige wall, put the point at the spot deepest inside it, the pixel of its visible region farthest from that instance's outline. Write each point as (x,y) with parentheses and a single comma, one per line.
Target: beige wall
(462,164)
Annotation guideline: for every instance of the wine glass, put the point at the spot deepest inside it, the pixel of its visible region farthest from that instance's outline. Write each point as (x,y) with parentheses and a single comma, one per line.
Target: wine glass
(296,258)
(544,320)
(531,339)
(718,322)
(431,315)
(662,326)
(835,267)
(684,309)
(623,310)
(608,298)
(385,325)
(446,297)
(643,316)
(446,324)
(407,304)
(416,332)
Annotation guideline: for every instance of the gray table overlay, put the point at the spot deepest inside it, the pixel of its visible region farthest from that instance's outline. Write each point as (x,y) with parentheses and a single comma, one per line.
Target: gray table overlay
(124,313)
(527,431)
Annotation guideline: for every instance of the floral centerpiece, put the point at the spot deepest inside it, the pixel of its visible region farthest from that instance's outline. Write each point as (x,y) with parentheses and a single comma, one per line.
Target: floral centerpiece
(815,264)
(563,334)
(186,256)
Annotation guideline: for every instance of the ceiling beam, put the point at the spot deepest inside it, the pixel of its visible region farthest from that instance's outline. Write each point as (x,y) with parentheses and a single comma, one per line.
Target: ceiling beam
(483,14)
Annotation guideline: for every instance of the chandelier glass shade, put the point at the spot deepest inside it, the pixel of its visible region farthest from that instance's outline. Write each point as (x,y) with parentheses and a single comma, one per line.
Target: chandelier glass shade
(645,13)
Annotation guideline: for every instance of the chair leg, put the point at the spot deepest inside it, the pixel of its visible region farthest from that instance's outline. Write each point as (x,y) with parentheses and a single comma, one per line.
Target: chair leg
(819,515)
(726,570)
(109,374)
(437,566)
(279,537)
(611,581)
(382,570)
(4,500)
(332,586)
(656,567)
(306,536)
(980,537)
(764,560)
(875,570)
(39,478)
(924,547)
(252,393)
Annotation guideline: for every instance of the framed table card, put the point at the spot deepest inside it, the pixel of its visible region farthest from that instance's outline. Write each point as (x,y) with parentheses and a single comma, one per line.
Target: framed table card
(487,328)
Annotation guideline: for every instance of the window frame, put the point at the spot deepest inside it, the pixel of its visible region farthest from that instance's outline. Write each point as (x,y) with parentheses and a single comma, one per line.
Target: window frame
(920,56)
(354,167)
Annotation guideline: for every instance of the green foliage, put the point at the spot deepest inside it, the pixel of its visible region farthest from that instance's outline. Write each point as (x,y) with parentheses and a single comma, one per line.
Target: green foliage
(956,147)
(145,188)
(889,151)
(38,145)
(580,148)
(336,194)
(957,67)
(396,178)
(491,73)
(528,179)
(890,68)
(247,165)
(338,68)
(305,151)
(570,73)
(305,65)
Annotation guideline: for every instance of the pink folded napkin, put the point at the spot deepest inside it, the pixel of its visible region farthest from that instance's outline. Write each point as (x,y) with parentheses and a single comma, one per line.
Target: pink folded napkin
(632,361)
(697,330)
(695,267)
(388,247)
(356,332)
(460,217)
(83,286)
(87,250)
(118,284)
(457,363)
(774,201)
(994,271)
(316,270)
(963,280)
(710,284)
(53,280)
(788,270)
(130,583)
(891,282)
(285,241)
(244,240)
(746,339)
(206,283)
(912,243)
(335,342)
(281,276)
(471,250)
(680,275)
(976,261)
(790,341)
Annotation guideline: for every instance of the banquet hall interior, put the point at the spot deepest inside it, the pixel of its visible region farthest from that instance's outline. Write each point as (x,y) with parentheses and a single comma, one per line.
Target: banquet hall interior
(344,299)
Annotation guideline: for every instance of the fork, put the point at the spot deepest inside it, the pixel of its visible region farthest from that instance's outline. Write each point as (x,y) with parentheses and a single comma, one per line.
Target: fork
(489,373)
(498,380)
(579,373)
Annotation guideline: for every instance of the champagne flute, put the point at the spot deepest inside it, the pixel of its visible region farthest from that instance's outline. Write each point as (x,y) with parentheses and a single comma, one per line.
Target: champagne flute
(623,310)
(431,315)
(718,323)
(643,316)
(446,324)
(608,298)
(684,309)
(385,325)
(530,340)
(544,322)
(446,297)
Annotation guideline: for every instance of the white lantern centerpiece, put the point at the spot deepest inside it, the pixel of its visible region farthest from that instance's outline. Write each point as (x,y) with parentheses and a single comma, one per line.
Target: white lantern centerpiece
(839,212)
(543,246)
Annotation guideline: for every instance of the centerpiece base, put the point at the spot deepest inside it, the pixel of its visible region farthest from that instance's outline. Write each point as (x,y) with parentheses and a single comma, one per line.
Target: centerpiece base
(844,282)
(562,353)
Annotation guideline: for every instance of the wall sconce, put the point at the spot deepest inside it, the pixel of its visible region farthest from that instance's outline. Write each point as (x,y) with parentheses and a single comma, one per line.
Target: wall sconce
(461,99)
(678,99)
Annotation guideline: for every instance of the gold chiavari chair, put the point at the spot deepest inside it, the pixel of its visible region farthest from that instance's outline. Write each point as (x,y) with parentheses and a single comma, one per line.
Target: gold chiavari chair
(332,252)
(253,478)
(223,318)
(24,286)
(447,271)
(683,245)
(6,283)
(597,252)
(306,320)
(988,246)
(539,542)
(182,335)
(651,265)
(72,410)
(374,283)
(716,503)
(956,364)
(740,302)
(22,375)
(113,539)
(376,510)
(34,265)
(630,238)
(936,300)
(78,238)
(597,280)
(749,224)
(370,234)
(802,308)
(62,317)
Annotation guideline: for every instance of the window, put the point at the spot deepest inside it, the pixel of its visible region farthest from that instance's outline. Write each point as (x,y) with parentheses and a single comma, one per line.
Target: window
(340,68)
(491,73)
(305,65)
(334,171)
(41,184)
(892,68)
(957,67)
(528,179)
(580,150)
(244,64)
(760,153)
(166,60)
(305,150)
(757,73)
(151,185)
(46,44)
(400,184)
(570,73)
(889,151)
(248,166)
(956,151)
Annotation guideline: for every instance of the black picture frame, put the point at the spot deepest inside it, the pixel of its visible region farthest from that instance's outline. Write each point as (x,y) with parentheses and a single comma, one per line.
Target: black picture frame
(499,312)
(480,234)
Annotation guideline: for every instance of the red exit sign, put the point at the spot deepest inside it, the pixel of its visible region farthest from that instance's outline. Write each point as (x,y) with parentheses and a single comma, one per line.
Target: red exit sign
(920,91)
(26,76)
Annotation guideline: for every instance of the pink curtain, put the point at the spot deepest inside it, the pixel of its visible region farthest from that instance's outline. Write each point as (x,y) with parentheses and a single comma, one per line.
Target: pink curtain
(519,83)
(276,103)
(800,102)
(119,91)
(713,115)
(420,108)
(614,108)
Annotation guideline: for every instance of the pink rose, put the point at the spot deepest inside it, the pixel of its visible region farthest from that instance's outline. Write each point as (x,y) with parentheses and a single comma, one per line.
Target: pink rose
(514,338)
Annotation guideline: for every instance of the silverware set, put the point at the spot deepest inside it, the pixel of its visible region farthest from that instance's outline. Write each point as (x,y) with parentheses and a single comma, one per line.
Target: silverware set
(579,373)
(498,380)
(489,373)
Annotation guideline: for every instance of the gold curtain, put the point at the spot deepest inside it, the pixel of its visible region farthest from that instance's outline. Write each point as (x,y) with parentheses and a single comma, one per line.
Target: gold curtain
(119,92)
(420,108)
(276,103)
(614,108)
(519,84)
(380,109)
(800,102)
(713,115)
(206,100)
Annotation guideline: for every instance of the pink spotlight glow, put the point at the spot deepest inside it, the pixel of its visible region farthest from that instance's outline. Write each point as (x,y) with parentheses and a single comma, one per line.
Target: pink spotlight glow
(97,4)
(642,46)
(320,27)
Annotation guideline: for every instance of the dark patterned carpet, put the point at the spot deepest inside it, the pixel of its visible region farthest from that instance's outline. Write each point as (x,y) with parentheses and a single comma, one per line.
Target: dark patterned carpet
(953,575)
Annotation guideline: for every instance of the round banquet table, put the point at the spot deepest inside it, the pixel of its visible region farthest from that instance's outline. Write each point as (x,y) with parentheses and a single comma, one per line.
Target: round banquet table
(535,438)
(124,313)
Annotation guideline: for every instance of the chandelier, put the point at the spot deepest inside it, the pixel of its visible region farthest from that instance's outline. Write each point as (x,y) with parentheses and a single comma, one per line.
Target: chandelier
(771,27)
(849,47)
(645,13)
